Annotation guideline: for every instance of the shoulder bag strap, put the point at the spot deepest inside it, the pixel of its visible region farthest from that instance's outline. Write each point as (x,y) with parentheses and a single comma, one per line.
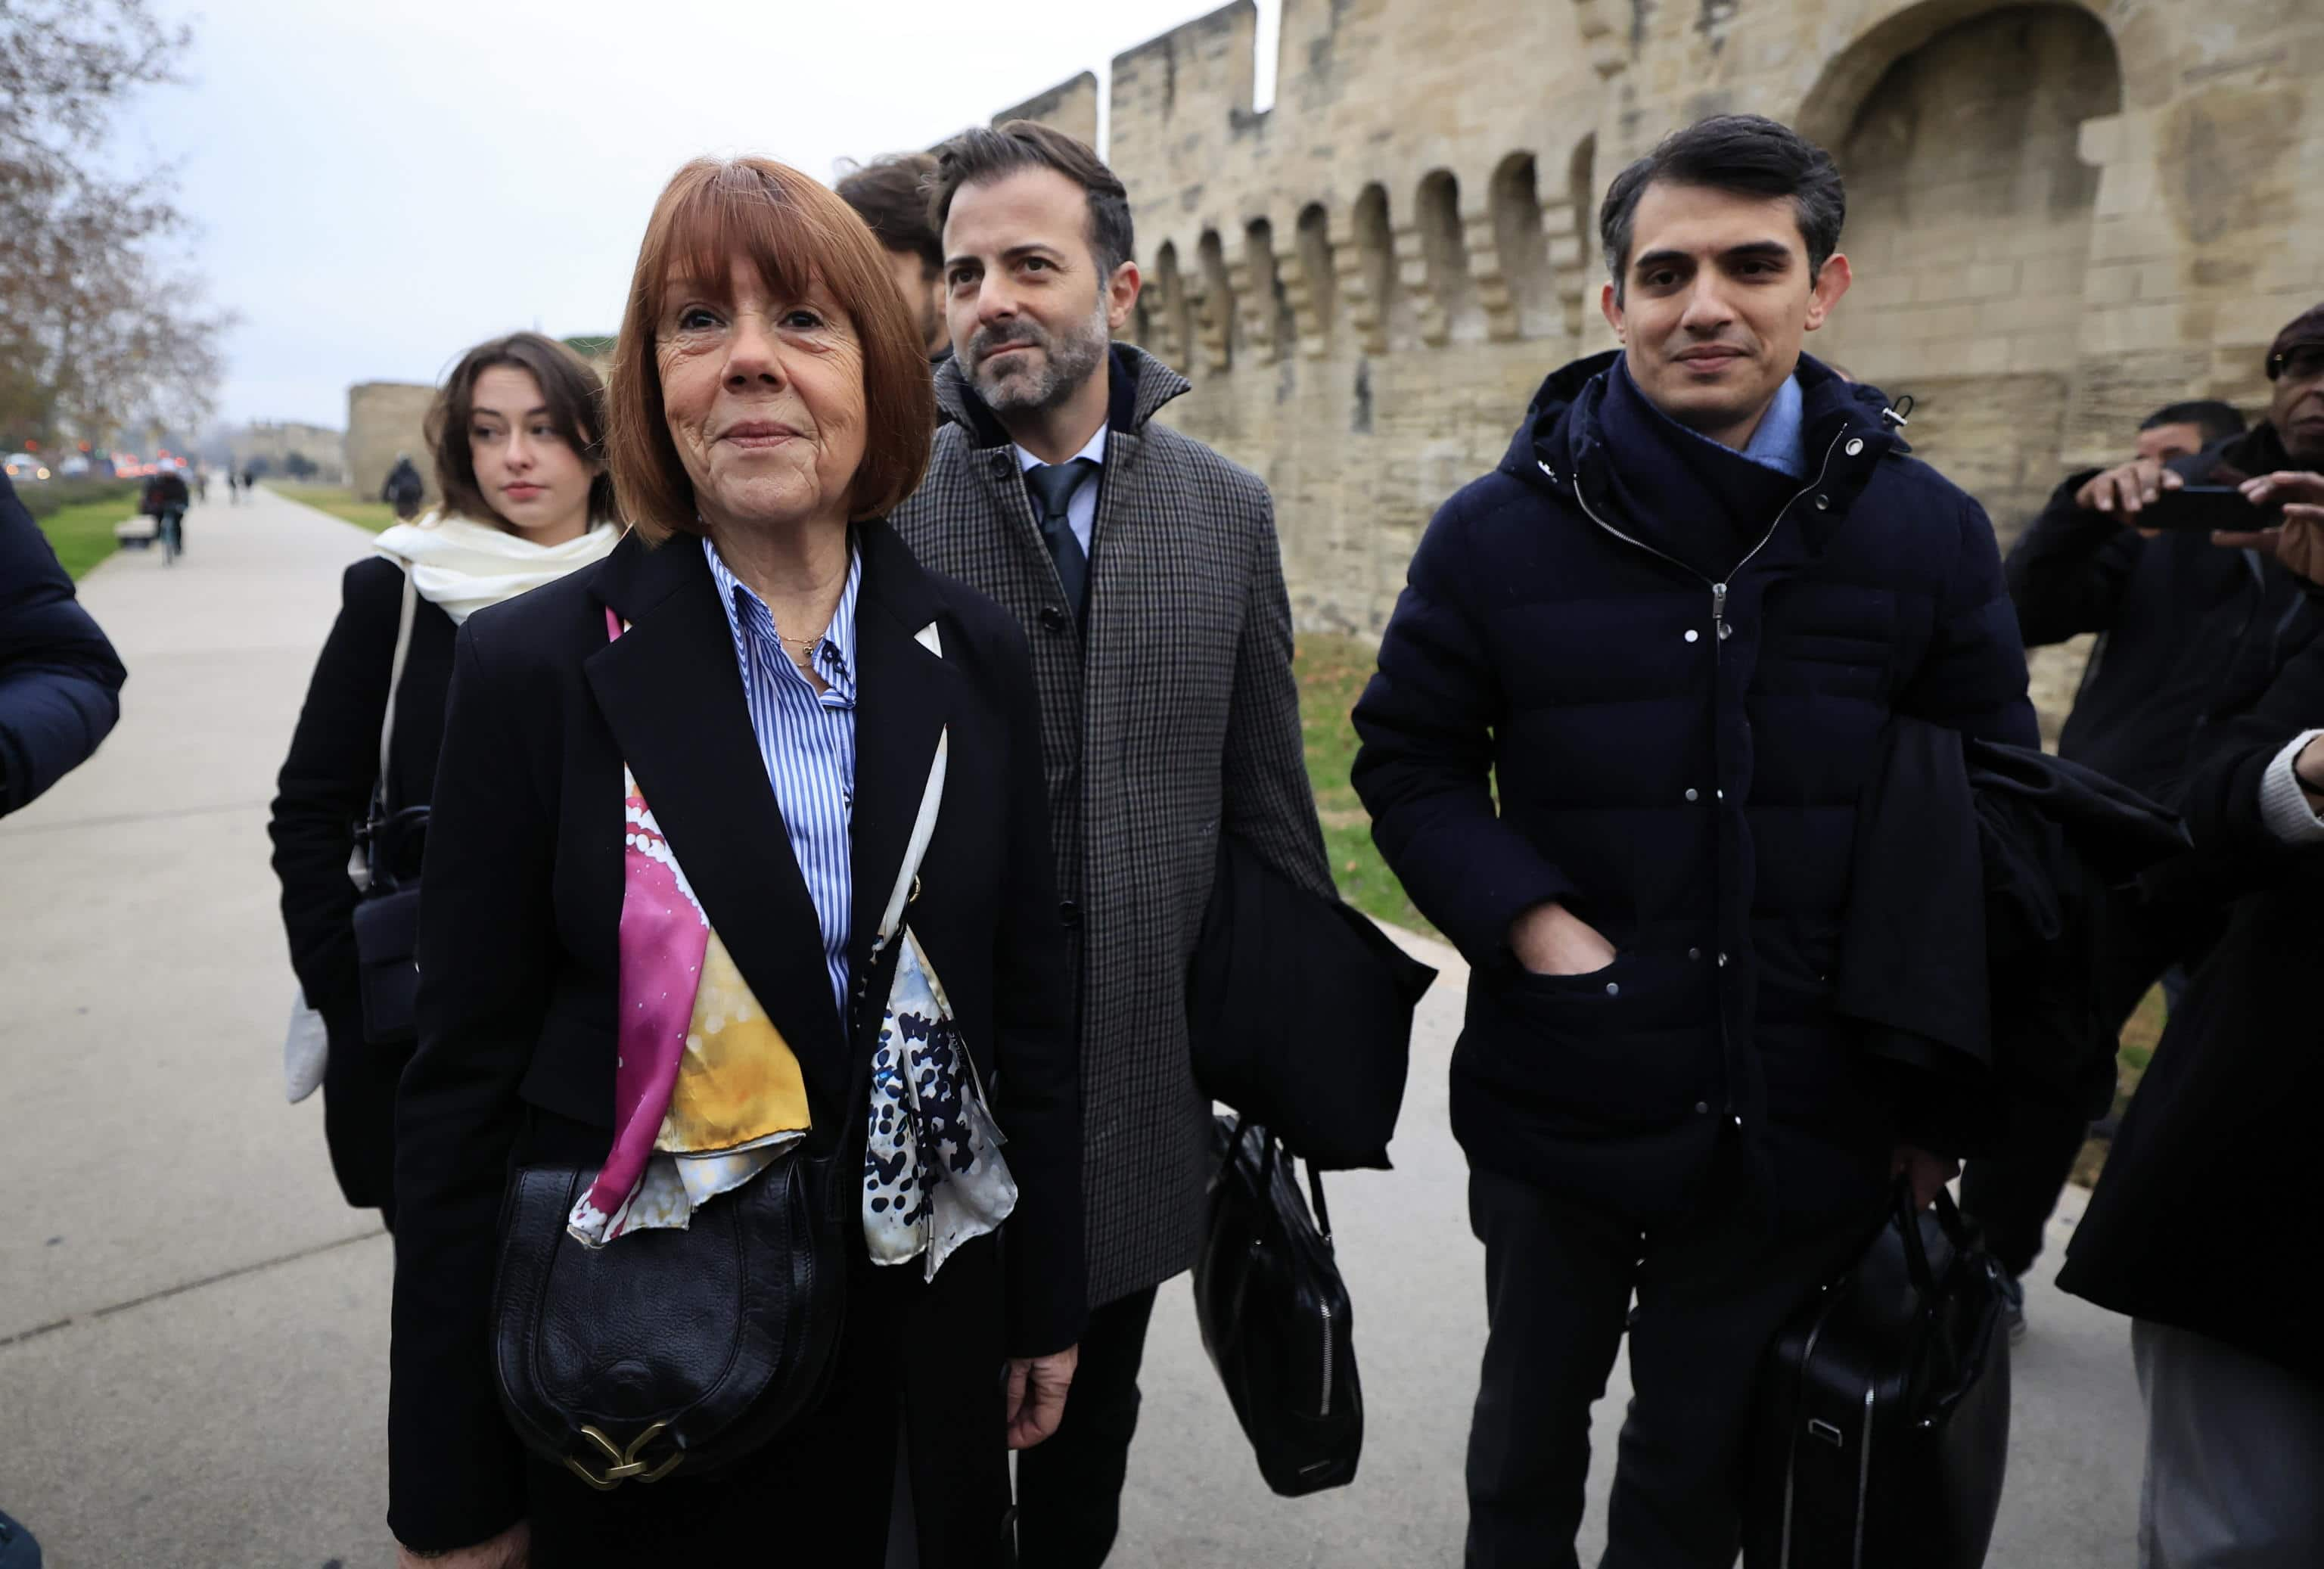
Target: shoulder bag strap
(924,827)
(395,677)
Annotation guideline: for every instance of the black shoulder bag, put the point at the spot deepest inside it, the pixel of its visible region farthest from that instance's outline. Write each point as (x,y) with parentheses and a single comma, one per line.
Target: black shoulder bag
(1275,1315)
(384,867)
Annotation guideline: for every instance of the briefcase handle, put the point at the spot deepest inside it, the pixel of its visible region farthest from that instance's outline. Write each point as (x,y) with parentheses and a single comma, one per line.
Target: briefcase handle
(1268,1145)
(1949,1220)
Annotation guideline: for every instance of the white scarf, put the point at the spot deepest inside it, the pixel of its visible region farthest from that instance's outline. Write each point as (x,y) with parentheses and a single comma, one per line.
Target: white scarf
(463,566)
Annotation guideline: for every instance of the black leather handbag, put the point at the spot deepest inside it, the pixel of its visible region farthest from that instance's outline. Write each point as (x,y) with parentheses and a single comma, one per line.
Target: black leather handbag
(1884,1409)
(1275,1315)
(384,869)
(671,1348)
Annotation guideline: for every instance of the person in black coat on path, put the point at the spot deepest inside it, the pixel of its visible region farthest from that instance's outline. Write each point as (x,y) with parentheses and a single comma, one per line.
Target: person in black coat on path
(516,430)
(747,696)
(2192,635)
(1625,710)
(2192,1230)
(59,678)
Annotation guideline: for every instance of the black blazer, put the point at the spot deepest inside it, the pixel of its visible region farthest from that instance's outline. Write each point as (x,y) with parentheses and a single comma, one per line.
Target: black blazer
(517,946)
(326,780)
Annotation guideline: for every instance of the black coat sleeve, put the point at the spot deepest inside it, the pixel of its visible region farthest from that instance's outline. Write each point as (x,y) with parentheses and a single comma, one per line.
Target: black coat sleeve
(60,679)
(326,784)
(1425,766)
(2070,569)
(1972,678)
(1039,1052)
(2222,804)
(487,953)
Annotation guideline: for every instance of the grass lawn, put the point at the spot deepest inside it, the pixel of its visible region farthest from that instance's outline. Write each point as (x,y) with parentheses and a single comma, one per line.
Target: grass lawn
(82,535)
(1331,672)
(339,502)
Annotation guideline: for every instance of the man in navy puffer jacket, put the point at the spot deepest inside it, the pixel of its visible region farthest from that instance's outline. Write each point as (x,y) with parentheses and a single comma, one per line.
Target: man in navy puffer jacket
(1665,636)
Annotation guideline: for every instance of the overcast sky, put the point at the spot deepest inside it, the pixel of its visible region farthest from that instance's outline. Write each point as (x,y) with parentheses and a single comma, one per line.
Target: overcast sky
(383,184)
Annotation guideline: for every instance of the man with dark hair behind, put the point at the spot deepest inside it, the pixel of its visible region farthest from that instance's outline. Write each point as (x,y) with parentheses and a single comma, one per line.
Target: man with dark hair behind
(1145,570)
(2183,430)
(890,195)
(1626,706)
(2190,636)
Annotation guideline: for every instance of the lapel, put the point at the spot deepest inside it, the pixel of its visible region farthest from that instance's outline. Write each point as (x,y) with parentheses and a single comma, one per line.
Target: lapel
(672,694)
(905,696)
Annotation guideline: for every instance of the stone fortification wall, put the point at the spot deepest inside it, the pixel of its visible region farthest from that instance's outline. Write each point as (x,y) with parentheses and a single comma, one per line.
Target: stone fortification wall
(383,418)
(2061,216)
(276,440)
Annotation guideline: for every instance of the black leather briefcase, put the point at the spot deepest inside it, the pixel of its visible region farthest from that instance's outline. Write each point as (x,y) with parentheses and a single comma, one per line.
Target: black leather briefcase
(1275,1315)
(1884,1409)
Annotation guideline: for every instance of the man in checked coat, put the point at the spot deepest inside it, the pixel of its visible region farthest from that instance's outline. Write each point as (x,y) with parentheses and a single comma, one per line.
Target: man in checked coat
(1144,568)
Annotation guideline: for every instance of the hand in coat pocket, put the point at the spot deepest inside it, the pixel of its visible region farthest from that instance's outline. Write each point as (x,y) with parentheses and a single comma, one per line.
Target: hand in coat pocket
(1550,939)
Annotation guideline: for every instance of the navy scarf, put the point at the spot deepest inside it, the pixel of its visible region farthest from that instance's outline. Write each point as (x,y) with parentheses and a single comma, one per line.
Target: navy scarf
(1690,498)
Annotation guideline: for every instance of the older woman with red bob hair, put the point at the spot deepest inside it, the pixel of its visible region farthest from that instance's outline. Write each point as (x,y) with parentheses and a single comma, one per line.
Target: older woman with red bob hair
(713,817)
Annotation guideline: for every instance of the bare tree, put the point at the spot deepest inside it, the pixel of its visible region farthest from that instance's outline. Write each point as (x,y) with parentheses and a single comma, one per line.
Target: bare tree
(101,328)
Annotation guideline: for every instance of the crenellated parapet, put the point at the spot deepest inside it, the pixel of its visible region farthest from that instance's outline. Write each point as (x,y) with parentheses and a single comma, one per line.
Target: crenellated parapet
(2061,214)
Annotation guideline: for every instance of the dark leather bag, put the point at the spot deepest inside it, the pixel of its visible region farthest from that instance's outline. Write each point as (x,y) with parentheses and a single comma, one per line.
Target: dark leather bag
(1275,1315)
(385,872)
(1299,1013)
(387,924)
(1884,1409)
(670,1350)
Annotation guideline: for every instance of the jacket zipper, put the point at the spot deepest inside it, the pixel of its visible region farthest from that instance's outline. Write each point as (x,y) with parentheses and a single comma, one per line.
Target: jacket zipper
(1324,1308)
(1717,615)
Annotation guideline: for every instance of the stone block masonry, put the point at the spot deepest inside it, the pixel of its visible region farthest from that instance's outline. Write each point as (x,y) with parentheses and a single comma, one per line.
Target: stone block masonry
(2061,216)
(383,418)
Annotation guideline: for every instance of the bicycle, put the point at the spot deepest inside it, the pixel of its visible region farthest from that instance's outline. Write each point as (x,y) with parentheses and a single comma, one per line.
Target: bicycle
(171,525)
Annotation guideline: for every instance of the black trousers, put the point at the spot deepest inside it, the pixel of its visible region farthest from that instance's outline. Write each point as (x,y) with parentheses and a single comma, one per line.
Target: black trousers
(1069,1489)
(1712,1288)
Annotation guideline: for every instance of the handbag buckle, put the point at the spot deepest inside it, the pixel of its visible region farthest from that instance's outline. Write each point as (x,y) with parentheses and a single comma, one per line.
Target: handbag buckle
(625,1465)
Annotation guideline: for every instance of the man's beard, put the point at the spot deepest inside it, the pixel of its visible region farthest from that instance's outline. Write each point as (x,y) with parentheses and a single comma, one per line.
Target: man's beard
(1068,360)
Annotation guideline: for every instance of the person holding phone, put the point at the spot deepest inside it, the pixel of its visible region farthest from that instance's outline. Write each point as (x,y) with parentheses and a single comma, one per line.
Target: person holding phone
(2196,617)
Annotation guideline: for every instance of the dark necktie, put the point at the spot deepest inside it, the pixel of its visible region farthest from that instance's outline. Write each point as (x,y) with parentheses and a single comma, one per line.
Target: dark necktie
(1053,485)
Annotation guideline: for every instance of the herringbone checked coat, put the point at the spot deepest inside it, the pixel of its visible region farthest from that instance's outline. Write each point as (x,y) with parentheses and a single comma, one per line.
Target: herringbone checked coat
(1174,717)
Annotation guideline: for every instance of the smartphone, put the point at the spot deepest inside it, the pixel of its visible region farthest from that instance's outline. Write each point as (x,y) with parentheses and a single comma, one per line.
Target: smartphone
(2205,507)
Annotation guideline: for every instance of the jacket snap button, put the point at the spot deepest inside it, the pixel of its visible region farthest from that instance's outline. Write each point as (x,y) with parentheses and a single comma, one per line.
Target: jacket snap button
(1053,618)
(1694,954)
(1722,961)
(1855,445)
(1069,912)
(1702,1108)
(1824,503)
(1693,795)
(1693,635)
(1613,989)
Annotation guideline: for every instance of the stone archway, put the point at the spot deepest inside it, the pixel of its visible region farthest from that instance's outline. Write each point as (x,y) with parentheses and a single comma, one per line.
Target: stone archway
(1969,227)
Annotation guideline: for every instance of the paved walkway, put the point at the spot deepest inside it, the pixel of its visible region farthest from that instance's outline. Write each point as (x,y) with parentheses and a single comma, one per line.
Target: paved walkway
(193,1331)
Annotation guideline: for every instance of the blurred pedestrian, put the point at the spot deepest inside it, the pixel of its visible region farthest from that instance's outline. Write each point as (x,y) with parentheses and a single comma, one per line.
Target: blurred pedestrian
(890,195)
(232,487)
(1626,706)
(59,678)
(517,432)
(1125,551)
(404,490)
(780,691)
(165,499)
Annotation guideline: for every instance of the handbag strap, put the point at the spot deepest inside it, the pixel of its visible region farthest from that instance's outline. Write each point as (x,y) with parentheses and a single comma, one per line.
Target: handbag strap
(924,827)
(395,677)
